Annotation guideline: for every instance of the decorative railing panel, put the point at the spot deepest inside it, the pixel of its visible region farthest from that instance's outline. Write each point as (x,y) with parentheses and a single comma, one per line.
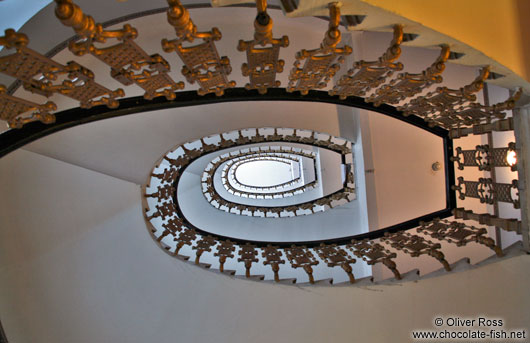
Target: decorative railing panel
(301,257)
(273,257)
(475,113)
(14,110)
(44,76)
(335,256)
(128,61)
(487,191)
(480,129)
(373,253)
(248,255)
(320,64)
(440,107)
(366,76)
(484,157)
(415,246)
(202,63)
(407,85)
(263,53)
(458,233)
(489,219)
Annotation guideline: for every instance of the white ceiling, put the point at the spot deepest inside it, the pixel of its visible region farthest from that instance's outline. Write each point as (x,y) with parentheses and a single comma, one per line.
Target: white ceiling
(25,10)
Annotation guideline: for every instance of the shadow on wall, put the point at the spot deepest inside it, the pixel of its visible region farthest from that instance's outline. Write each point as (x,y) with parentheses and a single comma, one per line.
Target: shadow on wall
(523,11)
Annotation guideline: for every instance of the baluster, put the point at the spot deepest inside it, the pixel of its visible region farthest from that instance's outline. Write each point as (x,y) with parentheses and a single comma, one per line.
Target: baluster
(263,62)
(320,64)
(128,61)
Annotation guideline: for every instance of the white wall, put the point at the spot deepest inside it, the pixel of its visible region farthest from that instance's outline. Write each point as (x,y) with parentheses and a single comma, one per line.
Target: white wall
(405,185)
(128,147)
(77,265)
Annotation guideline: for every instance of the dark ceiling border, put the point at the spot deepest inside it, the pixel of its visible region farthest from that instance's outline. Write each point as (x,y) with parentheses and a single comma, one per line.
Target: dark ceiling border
(13,139)
(407,225)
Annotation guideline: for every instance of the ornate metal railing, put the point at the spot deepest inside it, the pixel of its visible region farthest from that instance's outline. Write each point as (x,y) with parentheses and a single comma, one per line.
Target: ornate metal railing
(316,260)
(173,235)
(130,64)
(453,109)
(181,157)
(286,189)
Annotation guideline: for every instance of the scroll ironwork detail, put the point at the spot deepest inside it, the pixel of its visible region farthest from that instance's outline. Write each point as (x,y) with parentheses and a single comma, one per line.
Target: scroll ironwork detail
(488,191)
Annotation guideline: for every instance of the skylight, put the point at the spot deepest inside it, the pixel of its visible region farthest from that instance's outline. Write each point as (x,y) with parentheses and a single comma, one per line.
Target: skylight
(267,173)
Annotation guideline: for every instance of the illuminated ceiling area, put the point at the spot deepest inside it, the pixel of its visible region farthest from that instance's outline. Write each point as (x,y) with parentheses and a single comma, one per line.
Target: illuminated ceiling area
(161,172)
(266,174)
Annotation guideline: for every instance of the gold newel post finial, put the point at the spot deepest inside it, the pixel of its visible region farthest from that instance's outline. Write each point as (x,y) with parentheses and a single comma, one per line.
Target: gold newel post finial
(71,15)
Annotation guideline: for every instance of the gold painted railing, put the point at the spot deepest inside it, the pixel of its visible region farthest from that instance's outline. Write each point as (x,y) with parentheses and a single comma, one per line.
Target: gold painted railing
(210,251)
(130,64)
(181,156)
(453,109)
(272,153)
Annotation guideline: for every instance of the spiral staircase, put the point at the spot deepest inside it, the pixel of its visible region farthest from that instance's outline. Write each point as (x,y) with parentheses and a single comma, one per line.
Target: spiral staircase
(119,172)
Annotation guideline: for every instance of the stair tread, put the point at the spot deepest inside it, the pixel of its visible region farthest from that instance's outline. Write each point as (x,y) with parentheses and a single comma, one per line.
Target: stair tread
(515,249)
(462,264)
(368,280)
(411,275)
